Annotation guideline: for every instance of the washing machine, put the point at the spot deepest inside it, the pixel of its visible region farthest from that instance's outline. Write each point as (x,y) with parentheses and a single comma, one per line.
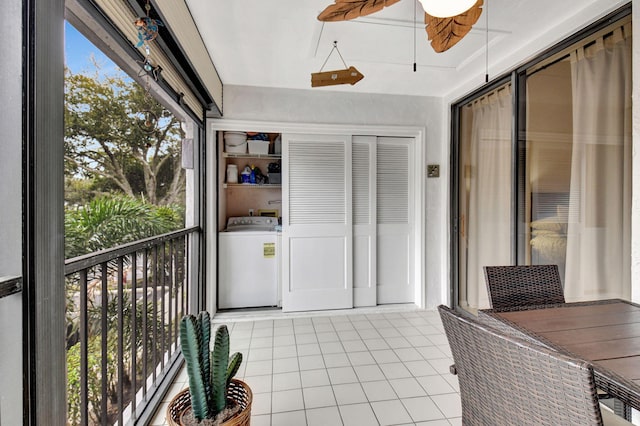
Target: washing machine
(248,259)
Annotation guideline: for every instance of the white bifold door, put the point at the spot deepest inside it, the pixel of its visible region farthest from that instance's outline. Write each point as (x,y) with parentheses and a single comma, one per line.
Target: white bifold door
(348,221)
(317,226)
(383,224)
(395,264)
(364,220)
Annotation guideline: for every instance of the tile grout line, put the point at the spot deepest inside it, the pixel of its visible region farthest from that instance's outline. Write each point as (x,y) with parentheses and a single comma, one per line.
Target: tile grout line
(404,325)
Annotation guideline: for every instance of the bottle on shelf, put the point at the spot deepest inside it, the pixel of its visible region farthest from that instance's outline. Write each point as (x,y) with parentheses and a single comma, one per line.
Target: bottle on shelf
(246,175)
(252,176)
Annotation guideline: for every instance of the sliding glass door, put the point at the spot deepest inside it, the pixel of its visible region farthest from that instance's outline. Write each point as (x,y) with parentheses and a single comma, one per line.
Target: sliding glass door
(485,178)
(578,165)
(560,192)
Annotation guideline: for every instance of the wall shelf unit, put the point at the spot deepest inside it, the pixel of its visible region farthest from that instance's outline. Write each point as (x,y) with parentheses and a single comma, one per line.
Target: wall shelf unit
(236,155)
(252,185)
(239,199)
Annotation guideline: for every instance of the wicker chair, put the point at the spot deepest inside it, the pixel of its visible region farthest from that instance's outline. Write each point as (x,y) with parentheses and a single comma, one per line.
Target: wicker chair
(509,381)
(523,285)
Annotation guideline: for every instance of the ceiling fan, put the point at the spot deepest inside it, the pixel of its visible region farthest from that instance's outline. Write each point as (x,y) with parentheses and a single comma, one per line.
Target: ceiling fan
(443,30)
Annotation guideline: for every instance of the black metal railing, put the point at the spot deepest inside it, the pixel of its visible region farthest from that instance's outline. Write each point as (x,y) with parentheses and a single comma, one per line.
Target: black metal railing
(124,306)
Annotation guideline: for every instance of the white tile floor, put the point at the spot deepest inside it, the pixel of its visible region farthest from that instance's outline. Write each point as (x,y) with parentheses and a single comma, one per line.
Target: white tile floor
(356,367)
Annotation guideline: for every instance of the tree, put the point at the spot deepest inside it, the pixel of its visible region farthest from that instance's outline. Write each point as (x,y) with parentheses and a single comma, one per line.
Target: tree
(117,134)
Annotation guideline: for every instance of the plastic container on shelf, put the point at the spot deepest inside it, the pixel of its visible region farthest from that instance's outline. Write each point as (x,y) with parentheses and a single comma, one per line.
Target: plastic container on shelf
(275,178)
(273,170)
(258,147)
(277,145)
(235,142)
(232,173)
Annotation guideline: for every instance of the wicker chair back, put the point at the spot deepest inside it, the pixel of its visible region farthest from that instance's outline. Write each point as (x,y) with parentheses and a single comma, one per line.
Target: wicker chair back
(523,285)
(509,381)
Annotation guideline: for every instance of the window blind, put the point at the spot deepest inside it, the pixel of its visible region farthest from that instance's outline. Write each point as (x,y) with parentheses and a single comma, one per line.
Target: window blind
(177,17)
(123,17)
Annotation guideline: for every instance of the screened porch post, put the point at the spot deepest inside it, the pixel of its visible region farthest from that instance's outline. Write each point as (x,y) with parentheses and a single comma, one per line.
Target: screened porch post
(43,225)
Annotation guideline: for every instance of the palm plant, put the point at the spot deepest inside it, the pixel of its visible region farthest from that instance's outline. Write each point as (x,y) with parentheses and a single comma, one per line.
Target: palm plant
(110,221)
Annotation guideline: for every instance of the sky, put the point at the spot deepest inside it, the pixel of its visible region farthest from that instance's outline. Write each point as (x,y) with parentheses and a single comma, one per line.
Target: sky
(78,52)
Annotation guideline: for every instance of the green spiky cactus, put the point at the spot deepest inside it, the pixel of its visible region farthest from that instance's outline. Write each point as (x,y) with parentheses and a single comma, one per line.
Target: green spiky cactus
(210,373)
(192,344)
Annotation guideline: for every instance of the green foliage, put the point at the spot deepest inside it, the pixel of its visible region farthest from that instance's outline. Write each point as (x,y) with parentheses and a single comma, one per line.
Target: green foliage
(74,379)
(216,373)
(78,192)
(94,373)
(94,356)
(114,220)
(122,138)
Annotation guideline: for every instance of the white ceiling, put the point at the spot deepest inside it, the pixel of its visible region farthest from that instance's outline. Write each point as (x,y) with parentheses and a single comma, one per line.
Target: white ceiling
(279,43)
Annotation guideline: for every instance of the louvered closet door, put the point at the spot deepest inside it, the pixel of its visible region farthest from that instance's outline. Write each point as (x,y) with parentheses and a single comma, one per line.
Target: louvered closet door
(364,220)
(317,231)
(395,262)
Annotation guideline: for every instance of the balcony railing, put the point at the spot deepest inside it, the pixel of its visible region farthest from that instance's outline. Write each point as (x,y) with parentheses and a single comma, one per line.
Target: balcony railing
(124,306)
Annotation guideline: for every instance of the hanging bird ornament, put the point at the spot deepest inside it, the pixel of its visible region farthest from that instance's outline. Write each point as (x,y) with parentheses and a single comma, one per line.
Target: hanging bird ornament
(147,29)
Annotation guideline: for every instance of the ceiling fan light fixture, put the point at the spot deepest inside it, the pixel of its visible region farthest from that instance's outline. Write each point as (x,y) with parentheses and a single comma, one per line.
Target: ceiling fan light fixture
(446,8)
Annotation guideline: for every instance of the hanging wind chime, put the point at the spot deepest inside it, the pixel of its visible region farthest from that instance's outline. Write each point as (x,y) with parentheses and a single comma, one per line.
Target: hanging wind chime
(147,31)
(349,75)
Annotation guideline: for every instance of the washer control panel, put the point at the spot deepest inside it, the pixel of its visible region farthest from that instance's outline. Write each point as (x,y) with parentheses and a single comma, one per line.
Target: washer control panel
(251,223)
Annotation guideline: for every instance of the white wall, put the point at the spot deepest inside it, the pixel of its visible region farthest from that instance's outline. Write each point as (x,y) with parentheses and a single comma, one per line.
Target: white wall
(316,106)
(10,210)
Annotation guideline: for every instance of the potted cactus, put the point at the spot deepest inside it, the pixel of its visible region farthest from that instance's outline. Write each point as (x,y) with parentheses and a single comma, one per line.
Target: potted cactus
(213,397)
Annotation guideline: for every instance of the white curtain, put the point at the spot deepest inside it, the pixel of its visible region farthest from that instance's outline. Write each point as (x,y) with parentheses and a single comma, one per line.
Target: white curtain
(489,192)
(598,235)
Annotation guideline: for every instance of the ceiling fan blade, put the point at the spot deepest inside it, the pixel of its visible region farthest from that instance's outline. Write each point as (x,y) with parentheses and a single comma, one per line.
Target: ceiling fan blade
(343,10)
(444,33)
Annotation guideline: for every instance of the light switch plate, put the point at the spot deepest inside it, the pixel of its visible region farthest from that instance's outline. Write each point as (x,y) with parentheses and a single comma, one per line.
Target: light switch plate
(433,170)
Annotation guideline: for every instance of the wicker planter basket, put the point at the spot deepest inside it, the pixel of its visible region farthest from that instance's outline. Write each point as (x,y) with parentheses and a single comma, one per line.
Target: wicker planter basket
(239,392)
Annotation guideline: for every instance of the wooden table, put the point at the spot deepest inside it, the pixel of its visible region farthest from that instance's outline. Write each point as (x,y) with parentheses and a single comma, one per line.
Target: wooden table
(605,333)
